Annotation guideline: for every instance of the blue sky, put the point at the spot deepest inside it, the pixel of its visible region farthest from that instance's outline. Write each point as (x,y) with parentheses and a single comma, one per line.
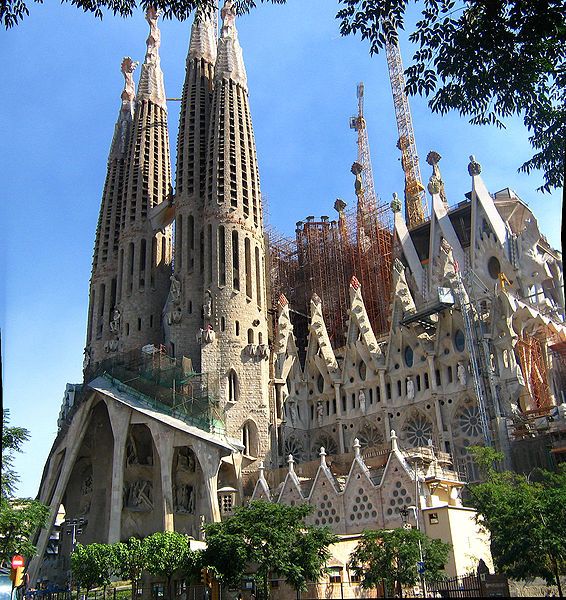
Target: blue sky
(61,96)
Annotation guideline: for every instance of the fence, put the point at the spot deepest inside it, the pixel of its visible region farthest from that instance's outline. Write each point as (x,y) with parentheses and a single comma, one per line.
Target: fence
(467,586)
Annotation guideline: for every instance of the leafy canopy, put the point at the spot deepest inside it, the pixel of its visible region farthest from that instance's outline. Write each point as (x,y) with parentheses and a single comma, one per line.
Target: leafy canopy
(93,565)
(392,556)
(19,519)
(12,440)
(264,537)
(526,519)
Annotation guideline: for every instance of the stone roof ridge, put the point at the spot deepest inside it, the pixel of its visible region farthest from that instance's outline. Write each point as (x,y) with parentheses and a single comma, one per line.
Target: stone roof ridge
(203,41)
(359,462)
(261,485)
(318,331)
(151,86)
(123,126)
(359,316)
(230,60)
(292,477)
(324,470)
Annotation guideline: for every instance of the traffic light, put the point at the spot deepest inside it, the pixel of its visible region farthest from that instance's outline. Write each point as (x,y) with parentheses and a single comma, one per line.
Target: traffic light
(17,576)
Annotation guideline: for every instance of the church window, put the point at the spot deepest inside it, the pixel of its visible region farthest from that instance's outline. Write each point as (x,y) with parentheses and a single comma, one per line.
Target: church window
(100,319)
(179,243)
(127,329)
(494,267)
(419,431)
(139,323)
(426,381)
(221,256)
(260,338)
(235,260)
(459,340)
(232,386)
(328,408)
(312,412)
(209,274)
(362,370)
(130,267)
(450,377)
(399,391)
(409,356)
(388,390)
(141,280)
(222,323)
(250,438)
(378,392)
(237,327)
(121,274)
(92,313)
(418,383)
(334,406)
(343,404)
(151,320)
(190,243)
(353,400)
(250,336)
(258,277)
(320,383)
(248,267)
(190,307)
(201,257)
(371,395)
(437,375)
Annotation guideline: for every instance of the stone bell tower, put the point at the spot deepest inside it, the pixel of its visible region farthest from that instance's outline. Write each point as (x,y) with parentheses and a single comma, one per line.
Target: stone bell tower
(101,334)
(144,257)
(233,334)
(184,310)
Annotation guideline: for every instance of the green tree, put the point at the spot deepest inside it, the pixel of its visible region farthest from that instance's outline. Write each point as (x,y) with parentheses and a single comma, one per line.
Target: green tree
(12,440)
(526,521)
(265,537)
(167,552)
(487,60)
(390,557)
(131,560)
(93,565)
(19,518)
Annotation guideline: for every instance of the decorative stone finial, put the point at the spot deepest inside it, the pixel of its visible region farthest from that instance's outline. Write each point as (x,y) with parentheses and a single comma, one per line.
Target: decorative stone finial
(394,446)
(283,301)
(474,168)
(339,205)
(357,448)
(315,299)
(433,158)
(261,469)
(128,67)
(154,38)
(396,203)
(354,283)
(228,16)
(291,462)
(322,456)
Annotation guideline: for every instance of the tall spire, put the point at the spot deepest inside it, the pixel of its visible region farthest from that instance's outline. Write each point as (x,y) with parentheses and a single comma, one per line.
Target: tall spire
(230,61)
(194,124)
(105,257)
(145,256)
(151,84)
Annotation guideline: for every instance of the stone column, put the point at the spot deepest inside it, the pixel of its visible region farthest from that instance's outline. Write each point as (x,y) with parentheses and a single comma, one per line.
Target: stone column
(120,420)
(431,373)
(162,437)
(339,418)
(209,460)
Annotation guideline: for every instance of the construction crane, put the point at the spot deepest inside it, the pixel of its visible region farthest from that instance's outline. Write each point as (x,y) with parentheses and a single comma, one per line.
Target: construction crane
(415,199)
(358,123)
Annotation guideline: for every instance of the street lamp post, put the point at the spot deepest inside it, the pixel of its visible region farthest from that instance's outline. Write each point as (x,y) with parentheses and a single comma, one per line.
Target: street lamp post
(74,528)
(404,512)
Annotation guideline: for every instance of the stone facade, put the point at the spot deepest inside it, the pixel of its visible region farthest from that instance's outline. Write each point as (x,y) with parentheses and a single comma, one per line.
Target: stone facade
(193,394)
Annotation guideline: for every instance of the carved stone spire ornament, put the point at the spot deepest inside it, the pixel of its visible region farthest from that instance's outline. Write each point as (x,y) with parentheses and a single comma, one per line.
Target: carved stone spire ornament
(151,79)
(435,183)
(396,203)
(128,67)
(474,168)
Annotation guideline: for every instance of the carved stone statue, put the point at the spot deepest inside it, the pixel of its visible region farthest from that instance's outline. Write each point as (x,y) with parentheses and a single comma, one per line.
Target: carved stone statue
(131,452)
(293,414)
(262,351)
(175,316)
(207,306)
(410,389)
(86,360)
(115,322)
(446,268)
(138,495)
(362,400)
(186,460)
(461,372)
(319,413)
(184,498)
(208,335)
(175,289)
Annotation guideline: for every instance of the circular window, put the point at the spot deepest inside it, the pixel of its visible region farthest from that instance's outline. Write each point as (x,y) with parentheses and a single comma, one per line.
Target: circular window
(362,370)
(320,383)
(409,356)
(494,267)
(459,340)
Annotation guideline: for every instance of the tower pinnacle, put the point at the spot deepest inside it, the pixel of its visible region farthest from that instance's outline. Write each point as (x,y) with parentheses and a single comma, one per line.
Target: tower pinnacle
(230,62)
(151,85)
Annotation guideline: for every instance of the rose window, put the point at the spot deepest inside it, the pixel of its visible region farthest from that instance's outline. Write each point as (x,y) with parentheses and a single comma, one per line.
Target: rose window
(470,422)
(419,431)
(293,446)
(327,442)
(369,437)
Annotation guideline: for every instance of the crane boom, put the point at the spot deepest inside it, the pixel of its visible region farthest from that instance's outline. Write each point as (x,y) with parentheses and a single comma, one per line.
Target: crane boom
(415,199)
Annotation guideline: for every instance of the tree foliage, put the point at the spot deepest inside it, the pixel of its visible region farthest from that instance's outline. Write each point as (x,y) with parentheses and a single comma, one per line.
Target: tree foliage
(131,560)
(167,552)
(265,537)
(391,557)
(93,565)
(19,520)
(526,520)
(13,439)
